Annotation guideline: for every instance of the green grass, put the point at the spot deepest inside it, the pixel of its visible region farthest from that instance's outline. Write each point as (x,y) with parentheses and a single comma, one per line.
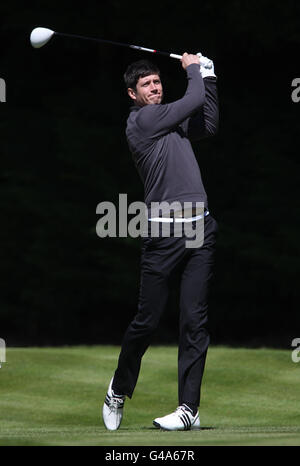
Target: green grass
(53,396)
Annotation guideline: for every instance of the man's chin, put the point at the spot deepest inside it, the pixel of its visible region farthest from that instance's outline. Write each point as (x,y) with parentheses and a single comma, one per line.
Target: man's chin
(155,100)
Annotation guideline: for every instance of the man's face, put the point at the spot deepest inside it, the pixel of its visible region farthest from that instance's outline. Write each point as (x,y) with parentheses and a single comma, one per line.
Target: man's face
(148,90)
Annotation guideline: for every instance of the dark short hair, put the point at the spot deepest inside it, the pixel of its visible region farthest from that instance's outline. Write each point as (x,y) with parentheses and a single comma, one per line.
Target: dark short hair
(137,70)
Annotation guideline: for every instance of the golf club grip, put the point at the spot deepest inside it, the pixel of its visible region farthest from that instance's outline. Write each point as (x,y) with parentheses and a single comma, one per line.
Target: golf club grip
(167,54)
(179,57)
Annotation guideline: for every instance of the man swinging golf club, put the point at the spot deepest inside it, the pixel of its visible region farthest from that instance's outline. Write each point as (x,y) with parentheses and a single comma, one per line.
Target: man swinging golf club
(159,138)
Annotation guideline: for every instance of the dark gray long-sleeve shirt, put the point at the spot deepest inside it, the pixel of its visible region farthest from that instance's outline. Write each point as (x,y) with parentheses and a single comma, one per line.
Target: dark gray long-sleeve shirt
(159,138)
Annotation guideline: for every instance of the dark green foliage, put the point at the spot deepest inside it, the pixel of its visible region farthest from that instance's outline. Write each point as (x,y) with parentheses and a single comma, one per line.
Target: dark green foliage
(63,150)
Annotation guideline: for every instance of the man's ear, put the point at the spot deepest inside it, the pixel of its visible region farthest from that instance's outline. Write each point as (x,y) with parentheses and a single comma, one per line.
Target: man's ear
(131,93)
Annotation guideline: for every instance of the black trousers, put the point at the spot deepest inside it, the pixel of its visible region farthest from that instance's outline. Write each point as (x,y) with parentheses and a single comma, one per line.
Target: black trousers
(160,258)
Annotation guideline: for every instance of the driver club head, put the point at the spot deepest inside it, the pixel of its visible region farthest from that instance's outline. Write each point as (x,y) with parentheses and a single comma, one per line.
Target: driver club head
(40,36)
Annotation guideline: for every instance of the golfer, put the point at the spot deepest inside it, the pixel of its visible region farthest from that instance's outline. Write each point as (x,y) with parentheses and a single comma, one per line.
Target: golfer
(159,138)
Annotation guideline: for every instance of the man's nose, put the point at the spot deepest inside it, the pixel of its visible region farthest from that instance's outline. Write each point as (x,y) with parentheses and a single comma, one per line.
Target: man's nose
(153,87)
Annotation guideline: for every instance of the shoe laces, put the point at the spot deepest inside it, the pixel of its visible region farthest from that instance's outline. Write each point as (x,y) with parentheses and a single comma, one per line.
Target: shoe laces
(183,408)
(116,402)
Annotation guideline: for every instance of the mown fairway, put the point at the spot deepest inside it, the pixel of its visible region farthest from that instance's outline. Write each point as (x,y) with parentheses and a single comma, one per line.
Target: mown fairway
(53,396)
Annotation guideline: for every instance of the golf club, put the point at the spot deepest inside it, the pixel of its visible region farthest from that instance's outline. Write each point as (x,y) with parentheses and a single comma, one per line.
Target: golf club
(40,36)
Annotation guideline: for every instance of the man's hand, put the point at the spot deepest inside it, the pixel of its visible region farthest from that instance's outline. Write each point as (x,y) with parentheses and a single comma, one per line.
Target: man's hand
(187,59)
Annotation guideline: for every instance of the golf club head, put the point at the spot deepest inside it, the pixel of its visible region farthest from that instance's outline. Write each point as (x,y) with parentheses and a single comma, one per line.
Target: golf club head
(40,36)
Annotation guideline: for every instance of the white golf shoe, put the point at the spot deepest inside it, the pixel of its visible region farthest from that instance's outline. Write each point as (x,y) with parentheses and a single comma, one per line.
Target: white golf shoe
(112,411)
(181,419)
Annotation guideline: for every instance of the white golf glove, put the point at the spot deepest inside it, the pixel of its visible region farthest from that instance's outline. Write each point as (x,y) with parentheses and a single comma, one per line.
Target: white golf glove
(206,66)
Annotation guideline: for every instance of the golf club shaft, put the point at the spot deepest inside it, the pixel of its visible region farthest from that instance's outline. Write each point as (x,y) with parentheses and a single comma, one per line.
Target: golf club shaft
(121,44)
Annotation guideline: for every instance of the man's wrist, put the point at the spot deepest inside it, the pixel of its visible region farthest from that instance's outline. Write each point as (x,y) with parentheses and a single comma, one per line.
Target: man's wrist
(192,67)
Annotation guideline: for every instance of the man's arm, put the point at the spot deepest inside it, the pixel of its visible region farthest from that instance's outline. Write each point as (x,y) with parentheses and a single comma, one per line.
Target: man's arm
(155,120)
(205,122)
